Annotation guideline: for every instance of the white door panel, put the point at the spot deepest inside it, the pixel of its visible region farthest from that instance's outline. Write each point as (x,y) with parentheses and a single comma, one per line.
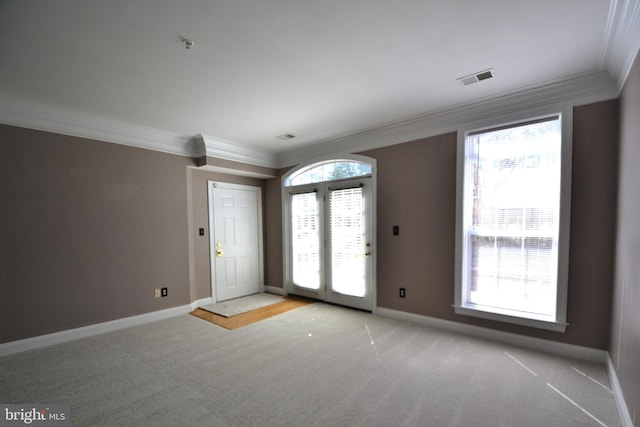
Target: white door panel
(236,243)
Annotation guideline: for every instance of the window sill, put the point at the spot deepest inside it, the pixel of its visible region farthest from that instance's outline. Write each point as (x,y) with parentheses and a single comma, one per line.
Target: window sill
(507,318)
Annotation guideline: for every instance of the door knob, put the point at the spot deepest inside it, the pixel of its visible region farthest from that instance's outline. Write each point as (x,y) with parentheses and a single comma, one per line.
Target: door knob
(367,253)
(219,253)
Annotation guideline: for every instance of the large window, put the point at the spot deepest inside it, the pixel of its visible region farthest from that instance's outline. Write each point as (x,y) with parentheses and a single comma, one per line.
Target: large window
(513,221)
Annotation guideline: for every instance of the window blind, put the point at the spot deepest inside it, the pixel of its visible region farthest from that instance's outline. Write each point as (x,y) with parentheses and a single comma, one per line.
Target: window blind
(514,217)
(348,245)
(305,240)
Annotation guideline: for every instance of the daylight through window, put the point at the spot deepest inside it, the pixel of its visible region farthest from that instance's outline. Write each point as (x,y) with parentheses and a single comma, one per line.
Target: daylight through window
(329,171)
(511,218)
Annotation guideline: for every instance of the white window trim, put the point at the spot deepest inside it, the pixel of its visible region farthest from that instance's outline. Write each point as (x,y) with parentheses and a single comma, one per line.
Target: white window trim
(326,159)
(559,324)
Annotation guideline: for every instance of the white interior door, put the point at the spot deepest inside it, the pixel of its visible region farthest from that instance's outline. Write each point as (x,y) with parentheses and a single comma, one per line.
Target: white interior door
(236,243)
(331,242)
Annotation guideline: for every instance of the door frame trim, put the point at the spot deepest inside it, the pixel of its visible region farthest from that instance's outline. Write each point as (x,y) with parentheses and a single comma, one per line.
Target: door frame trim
(287,285)
(211,185)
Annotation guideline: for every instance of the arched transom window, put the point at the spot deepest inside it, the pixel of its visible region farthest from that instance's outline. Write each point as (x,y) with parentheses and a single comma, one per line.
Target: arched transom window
(330,170)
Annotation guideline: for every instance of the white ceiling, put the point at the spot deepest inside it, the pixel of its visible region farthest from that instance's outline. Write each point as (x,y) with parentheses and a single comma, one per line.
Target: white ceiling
(321,70)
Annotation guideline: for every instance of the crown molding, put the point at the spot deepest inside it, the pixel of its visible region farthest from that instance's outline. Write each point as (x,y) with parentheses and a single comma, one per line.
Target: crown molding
(578,90)
(33,115)
(216,147)
(622,39)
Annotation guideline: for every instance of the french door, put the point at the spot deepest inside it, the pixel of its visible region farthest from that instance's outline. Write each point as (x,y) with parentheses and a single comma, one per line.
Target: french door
(330,253)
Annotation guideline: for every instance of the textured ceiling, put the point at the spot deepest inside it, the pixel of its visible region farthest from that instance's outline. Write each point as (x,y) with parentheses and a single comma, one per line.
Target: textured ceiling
(319,70)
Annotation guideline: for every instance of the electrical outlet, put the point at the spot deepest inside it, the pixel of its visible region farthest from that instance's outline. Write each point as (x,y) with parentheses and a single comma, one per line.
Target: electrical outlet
(164,292)
(156,293)
(402,293)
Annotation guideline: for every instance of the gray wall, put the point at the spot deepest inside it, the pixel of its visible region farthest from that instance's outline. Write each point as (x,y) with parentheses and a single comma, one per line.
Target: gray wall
(417,188)
(88,230)
(417,191)
(625,329)
(273,232)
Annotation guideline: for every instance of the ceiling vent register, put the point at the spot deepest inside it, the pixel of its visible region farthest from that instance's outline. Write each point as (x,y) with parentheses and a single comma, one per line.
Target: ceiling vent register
(476,77)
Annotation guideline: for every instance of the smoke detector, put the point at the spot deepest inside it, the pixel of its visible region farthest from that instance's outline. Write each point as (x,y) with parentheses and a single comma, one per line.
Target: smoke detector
(187,43)
(476,77)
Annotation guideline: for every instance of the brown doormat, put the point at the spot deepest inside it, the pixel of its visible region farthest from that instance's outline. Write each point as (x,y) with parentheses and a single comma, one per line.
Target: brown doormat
(253,316)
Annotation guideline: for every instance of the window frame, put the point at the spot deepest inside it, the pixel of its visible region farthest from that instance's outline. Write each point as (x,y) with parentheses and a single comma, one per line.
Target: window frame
(565,111)
(324,161)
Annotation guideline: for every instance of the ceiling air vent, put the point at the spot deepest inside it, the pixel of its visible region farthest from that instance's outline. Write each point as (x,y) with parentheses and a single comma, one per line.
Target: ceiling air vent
(286,136)
(476,77)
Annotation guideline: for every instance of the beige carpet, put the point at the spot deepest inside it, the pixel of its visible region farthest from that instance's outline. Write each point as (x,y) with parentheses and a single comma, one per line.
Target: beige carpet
(318,365)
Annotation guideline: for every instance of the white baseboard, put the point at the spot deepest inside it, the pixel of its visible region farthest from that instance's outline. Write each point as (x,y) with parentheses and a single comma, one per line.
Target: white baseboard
(19,346)
(579,352)
(275,290)
(200,302)
(623,411)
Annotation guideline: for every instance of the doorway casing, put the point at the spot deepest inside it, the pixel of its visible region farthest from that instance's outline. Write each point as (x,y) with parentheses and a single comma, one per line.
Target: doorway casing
(215,238)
